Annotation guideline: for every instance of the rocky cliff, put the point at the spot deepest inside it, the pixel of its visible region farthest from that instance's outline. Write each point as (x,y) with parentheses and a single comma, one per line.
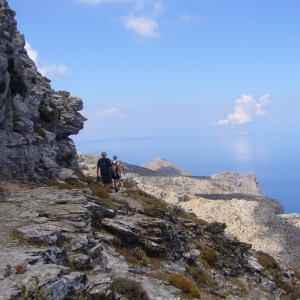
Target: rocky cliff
(35,121)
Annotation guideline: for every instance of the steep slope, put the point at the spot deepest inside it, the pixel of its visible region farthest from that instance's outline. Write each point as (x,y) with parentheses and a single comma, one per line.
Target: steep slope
(35,121)
(166,167)
(71,241)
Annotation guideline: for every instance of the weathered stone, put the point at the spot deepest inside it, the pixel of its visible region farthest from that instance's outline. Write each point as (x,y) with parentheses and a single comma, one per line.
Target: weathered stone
(127,230)
(215,227)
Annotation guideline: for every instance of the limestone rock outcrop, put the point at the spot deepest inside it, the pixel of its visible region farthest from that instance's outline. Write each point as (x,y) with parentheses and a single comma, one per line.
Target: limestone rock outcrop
(175,189)
(35,121)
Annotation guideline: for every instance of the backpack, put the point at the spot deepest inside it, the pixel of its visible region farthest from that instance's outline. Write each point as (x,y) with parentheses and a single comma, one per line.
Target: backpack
(114,166)
(104,168)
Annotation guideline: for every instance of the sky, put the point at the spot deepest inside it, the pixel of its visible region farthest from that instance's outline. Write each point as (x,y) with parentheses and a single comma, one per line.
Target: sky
(215,79)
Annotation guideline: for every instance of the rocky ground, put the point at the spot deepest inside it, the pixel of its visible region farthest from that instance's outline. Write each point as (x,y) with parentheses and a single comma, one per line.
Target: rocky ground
(72,241)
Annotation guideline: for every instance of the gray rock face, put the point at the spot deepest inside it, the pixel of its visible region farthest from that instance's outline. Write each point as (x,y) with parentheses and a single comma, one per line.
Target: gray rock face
(35,121)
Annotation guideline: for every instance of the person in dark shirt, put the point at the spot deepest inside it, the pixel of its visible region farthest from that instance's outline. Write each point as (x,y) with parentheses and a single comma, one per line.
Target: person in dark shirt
(104,166)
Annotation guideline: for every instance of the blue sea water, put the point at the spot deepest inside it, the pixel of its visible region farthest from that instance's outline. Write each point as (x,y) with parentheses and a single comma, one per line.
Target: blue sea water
(274,158)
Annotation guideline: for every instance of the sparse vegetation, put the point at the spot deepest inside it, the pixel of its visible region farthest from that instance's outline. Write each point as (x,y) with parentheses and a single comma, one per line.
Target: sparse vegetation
(185,284)
(128,184)
(267,261)
(32,294)
(142,256)
(41,133)
(208,254)
(130,289)
(49,114)
(201,277)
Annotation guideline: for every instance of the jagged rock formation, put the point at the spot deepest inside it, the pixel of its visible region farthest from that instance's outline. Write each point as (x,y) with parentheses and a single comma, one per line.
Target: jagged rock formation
(72,242)
(35,121)
(166,167)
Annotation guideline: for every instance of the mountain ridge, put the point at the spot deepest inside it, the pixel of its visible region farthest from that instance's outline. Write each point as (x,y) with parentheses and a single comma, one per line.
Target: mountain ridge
(166,167)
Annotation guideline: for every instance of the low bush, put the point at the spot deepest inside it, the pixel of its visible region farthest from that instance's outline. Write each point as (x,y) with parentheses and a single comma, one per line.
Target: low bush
(128,184)
(41,133)
(185,284)
(141,255)
(208,254)
(267,261)
(201,277)
(130,289)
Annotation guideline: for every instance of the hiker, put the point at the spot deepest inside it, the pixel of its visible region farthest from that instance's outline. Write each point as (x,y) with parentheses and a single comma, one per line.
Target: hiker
(121,168)
(115,172)
(104,165)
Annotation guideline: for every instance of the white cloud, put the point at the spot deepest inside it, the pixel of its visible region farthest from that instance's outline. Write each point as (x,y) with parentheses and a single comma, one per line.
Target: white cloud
(33,54)
(104,113)
(49,70)
(189,19)
(142,26)
(142,19)
(245,110)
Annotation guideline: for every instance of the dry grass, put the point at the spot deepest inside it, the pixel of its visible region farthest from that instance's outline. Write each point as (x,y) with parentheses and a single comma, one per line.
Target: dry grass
(185,284)
(201,277)
(129,256)
(128,184)
(208,255)
(129,288)
(267,261)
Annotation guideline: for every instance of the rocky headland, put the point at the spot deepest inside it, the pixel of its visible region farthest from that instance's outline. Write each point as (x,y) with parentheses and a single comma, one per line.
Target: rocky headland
(65,237)
(164,166)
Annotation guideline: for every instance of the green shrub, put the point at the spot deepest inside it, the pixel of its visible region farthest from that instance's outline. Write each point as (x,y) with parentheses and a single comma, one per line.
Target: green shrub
(186,285)
(49,115)
(130,289)
(41,133)
(140,253)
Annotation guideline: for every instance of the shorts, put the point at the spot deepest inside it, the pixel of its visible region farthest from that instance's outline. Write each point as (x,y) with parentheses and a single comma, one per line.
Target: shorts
(106,179)
(123,176)
(115,176)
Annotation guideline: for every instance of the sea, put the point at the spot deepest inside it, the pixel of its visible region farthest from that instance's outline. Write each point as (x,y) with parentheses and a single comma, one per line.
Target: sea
(273,157)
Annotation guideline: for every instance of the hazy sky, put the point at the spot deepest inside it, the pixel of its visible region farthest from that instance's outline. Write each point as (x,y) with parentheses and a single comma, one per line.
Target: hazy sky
(166,68)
